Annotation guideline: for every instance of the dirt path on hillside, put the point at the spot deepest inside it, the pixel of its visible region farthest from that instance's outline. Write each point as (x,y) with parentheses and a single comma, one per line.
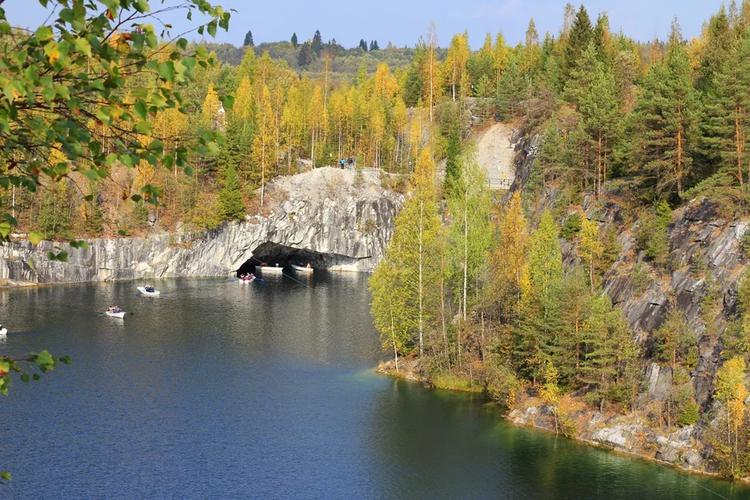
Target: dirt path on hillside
(495,154)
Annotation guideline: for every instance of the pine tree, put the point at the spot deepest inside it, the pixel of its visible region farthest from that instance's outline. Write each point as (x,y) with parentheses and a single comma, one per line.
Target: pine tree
(317,43)
(667,120)
(294,40)
(601,120)
(230,196)
(363,45)
(725,127)
(374,45)
(248,39)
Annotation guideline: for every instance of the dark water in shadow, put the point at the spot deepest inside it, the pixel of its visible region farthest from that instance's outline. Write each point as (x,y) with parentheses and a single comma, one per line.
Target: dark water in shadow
(222,390)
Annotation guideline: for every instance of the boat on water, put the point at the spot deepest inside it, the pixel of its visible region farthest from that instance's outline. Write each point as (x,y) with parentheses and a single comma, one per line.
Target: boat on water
(115,312)
(270,269)
(246,279)
(148,291)
(3,332)
(308,269)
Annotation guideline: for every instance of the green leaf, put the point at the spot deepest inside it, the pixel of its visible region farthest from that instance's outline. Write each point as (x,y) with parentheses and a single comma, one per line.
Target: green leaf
(140,108)
(43,33)
(44,360)
(5,228)
(35,237)
(83,46)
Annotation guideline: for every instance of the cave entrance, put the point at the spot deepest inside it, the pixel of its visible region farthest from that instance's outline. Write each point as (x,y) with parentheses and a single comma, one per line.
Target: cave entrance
(272,254)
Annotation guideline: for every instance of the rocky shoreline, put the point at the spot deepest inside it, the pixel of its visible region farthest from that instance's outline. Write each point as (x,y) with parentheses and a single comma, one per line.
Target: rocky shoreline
(627,434)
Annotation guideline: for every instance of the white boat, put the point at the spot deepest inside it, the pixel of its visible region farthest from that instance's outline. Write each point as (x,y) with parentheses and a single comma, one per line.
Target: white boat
(115,314)
(344,268)
(148,291)
(270,269)
(3,332)
(302,269)
(247,280)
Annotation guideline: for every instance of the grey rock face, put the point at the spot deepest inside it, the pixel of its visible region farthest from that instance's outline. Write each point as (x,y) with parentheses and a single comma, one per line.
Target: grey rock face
(327,210)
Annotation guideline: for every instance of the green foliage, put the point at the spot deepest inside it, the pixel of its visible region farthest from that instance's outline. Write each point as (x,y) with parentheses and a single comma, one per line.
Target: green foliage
(652,237)
(675,343)
(230,196)
(403,289)
(667,117)
(47,63)
(469,234)
(450,129)
(640,278)
(54,220)
(571,227)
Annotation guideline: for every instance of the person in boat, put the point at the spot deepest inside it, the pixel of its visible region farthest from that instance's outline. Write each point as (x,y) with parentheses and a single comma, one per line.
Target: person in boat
(308,265)
(149,288)
(114,309)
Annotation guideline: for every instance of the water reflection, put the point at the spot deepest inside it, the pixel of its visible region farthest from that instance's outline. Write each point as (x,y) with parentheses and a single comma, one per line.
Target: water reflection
(266,391)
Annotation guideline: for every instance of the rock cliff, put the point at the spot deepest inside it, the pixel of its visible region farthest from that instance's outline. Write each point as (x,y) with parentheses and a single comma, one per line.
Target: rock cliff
(343,218)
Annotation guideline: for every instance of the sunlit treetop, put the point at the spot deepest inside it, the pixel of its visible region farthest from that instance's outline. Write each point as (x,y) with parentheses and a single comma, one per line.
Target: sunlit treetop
(80,92)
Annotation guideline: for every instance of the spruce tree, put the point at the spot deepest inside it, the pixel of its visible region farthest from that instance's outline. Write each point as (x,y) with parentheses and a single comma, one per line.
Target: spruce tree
(294,40)
(248,40)
(317,43)
(363,45)
(580,35)
(541,324)
(230,196)
(305,56)
(719,39)
(450,128)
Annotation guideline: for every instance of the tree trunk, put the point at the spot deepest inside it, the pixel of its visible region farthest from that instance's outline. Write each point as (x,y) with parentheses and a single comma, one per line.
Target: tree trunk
(739,145)
(421,233)
(466,247)
(393,338)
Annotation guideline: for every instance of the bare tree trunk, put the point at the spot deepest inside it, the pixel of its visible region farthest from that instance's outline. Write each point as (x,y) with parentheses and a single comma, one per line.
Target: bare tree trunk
(481,348)
(466,247)
(421,231)
(393,338)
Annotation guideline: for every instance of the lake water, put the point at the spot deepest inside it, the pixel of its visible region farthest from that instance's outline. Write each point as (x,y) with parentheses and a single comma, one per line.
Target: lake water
(222,390)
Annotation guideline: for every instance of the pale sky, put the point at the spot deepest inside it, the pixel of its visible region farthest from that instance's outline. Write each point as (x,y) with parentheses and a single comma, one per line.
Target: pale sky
(403,21)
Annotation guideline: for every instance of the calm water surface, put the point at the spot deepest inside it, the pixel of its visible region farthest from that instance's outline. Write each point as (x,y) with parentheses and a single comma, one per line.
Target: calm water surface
(221,390)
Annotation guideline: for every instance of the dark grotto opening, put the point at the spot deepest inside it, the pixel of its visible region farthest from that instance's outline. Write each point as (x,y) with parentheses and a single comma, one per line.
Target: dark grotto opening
(272,254)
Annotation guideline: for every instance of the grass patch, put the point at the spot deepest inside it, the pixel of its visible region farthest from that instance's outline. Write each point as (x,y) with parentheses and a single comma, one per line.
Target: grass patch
(453,382)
